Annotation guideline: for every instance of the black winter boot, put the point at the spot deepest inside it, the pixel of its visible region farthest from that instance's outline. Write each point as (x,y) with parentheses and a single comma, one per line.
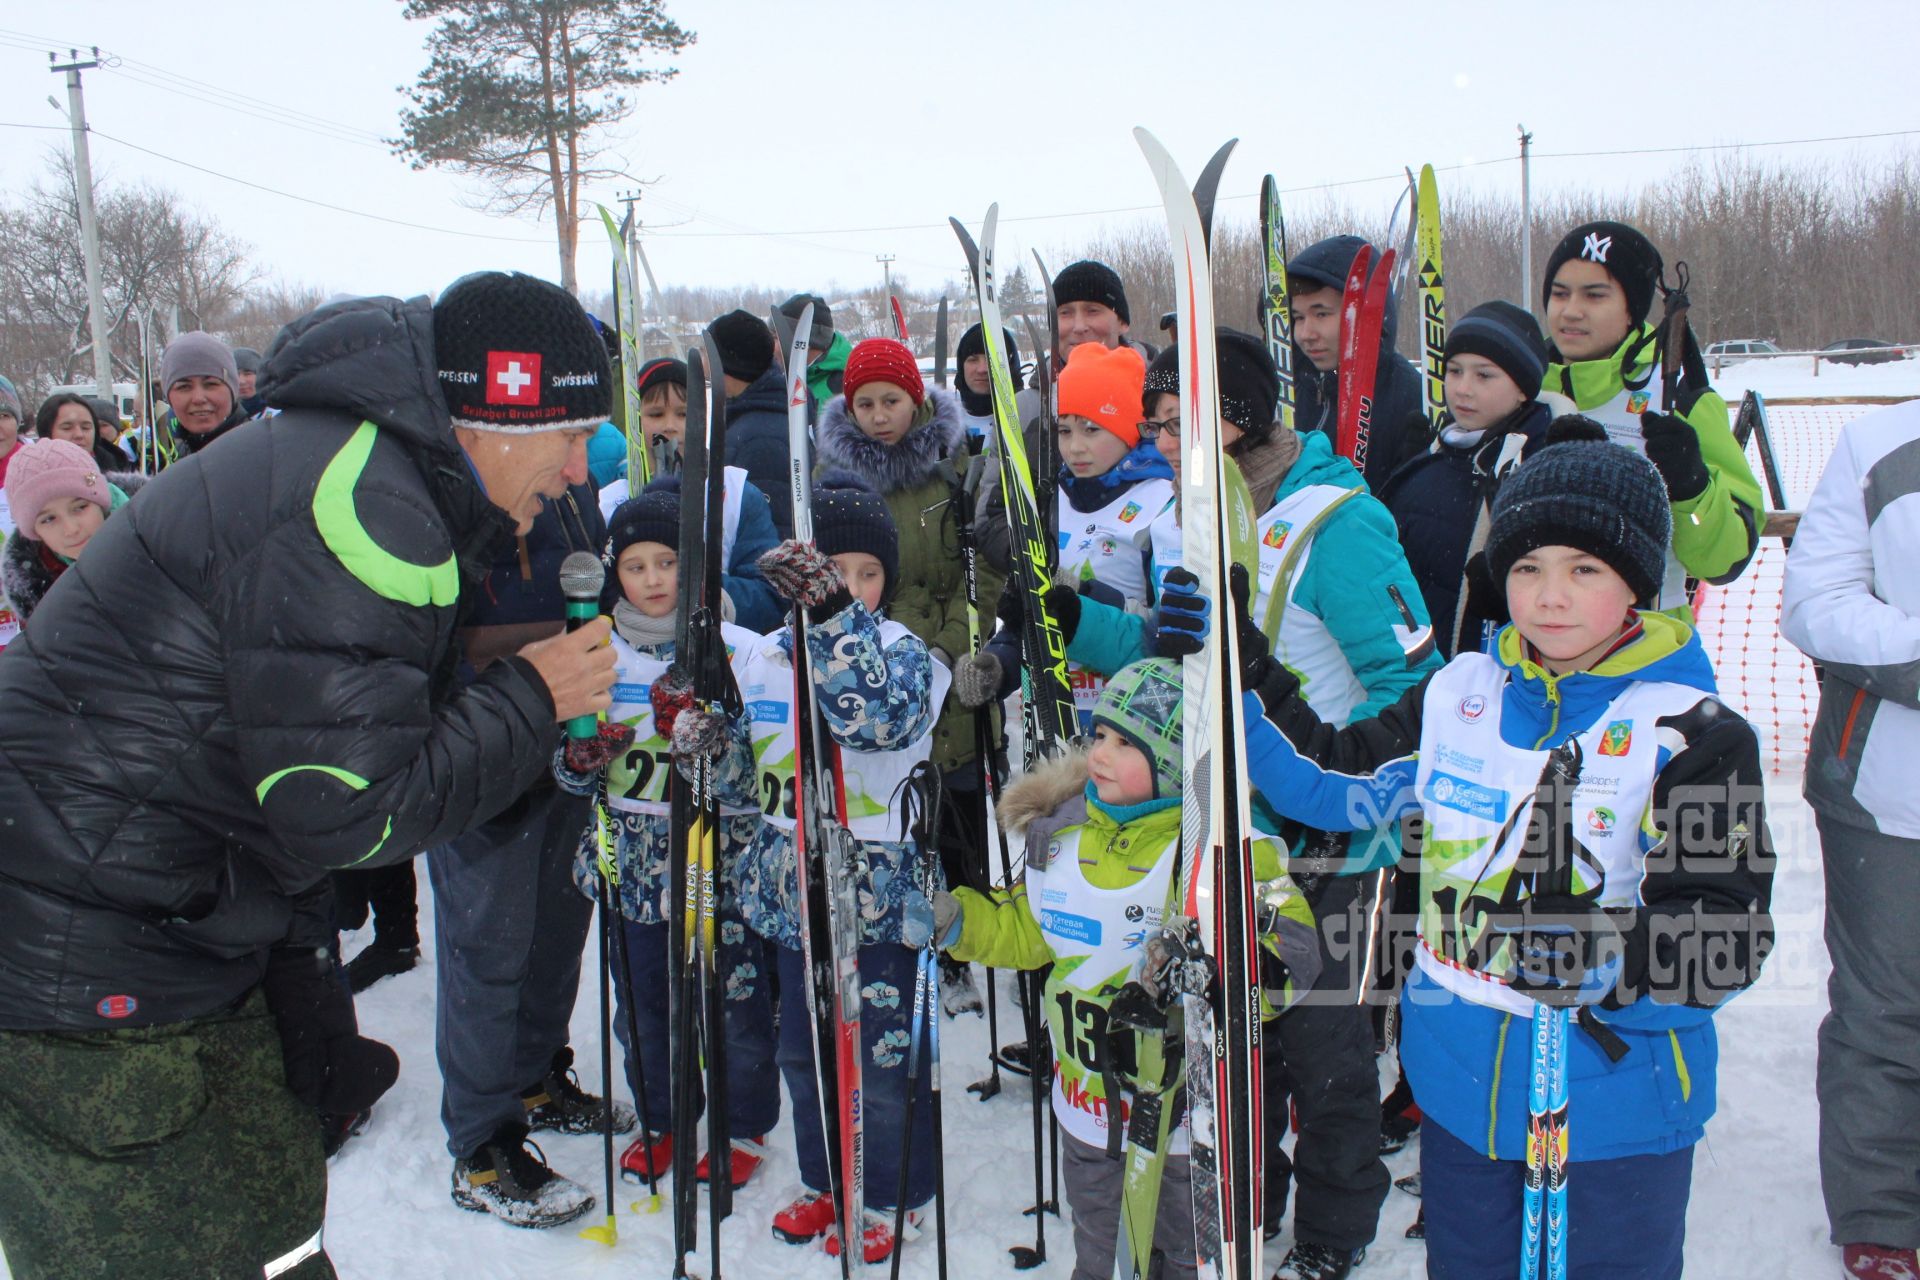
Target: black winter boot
(514,1184)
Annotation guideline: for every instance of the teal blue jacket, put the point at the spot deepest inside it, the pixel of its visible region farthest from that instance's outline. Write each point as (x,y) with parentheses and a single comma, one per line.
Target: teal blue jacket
(1356,557)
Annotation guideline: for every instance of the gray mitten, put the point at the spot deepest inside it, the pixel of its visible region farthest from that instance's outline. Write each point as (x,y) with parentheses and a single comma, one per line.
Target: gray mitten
(976,679)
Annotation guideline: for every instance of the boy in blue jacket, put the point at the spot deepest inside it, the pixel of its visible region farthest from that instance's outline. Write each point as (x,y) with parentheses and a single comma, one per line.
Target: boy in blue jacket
(1665,820)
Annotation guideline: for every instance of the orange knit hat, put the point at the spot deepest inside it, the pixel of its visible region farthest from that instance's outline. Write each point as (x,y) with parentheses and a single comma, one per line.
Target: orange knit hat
(1105,386)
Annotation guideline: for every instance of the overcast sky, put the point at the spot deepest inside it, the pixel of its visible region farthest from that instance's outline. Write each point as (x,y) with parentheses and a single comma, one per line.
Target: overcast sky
(793,130)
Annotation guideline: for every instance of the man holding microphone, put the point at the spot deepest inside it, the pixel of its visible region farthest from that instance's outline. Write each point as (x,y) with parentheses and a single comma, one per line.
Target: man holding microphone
(250,681)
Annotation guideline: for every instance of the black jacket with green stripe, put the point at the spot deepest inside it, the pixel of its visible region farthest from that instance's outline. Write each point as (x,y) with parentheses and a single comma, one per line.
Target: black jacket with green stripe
(249,681)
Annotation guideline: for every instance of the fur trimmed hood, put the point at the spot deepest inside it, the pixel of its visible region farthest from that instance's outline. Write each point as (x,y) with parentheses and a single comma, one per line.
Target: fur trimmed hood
(1051,797)
(892,468)
(24,576)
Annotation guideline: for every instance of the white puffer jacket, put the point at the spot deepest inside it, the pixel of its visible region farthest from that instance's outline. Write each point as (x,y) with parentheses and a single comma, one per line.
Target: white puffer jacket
(1852,603)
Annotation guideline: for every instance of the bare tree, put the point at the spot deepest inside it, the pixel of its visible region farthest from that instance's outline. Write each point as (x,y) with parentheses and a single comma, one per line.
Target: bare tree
(515,91)
(156,255)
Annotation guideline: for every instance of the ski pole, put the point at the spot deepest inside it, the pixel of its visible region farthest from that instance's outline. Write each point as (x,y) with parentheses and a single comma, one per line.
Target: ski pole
(922,965)
(623,961)
(608,1232)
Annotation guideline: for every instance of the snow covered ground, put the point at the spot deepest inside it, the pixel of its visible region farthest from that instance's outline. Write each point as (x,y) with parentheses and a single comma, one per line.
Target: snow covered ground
(1756,1207)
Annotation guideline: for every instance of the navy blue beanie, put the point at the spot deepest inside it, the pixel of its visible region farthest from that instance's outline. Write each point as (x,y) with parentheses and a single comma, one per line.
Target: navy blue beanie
(848,515)
(1506,335)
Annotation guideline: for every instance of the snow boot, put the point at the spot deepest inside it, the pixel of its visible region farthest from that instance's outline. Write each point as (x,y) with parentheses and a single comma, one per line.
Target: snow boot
(876,1238)
(647,1158)
(748,1155)
(1880,1262)
(515,1185)
(379,961)
(1318,1262)
(1418,1231)
(558,1104)
(336,1128)
(1399,1119)
(807,1218)
(958,995)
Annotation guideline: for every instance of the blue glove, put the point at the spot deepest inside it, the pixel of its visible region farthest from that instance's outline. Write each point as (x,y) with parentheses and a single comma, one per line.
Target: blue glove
(1184,619)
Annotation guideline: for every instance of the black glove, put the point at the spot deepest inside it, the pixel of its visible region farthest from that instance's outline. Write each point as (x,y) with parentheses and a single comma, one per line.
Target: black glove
(1185,618)
(1567,950)
(1674,447)
(1012,606)
(1064,604)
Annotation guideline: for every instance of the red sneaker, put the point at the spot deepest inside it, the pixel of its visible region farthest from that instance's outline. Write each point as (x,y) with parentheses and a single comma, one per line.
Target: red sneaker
(1879,1262)
(876,1239)
(647,1157)
(808,1218)
(748,1153)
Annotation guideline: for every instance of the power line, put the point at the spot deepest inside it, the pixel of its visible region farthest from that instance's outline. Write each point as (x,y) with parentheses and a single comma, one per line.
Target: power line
(157,77)
(323,131)
(322,204)
(1724,146)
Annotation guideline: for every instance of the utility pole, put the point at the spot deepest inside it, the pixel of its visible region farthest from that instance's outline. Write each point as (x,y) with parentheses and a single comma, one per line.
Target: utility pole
(89,228)
(1526,218)
(886,265)
(630,235)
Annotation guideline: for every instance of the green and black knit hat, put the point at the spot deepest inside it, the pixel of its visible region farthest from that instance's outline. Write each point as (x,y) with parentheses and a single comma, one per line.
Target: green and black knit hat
(1141,703)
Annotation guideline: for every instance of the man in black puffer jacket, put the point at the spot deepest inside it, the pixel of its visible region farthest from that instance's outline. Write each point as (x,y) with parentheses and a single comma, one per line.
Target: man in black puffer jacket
(266,692)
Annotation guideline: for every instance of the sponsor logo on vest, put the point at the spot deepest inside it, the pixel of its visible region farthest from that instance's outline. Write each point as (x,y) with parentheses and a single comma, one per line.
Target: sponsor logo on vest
(1618,739)
(1277,534)
(1472,707)
(1128,512)
(1453,758)
(1072,927)
(769,711)
(630,692)
(117,1007)
(1600,821)
(1637,401)
(1468,797)
(1135,913)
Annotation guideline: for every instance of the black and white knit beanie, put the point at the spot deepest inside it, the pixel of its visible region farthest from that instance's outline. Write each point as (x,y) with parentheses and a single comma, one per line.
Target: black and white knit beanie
(518,355)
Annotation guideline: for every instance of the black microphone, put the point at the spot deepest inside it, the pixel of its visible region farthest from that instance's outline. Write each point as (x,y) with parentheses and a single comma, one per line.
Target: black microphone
(581,578)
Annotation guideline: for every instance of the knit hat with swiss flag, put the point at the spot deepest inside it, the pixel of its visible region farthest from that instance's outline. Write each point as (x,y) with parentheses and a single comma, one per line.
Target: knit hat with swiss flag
(517,354)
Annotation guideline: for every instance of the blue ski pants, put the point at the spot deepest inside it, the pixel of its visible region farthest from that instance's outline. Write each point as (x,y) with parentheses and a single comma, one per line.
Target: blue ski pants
(888,972)
(753,1109)
(1626,1218)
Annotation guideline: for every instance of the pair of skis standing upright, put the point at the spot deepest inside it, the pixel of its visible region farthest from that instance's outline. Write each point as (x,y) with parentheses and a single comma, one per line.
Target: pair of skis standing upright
(1218,1031)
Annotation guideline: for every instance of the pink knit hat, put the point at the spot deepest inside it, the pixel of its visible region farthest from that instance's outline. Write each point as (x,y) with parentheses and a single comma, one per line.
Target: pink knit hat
(42,471)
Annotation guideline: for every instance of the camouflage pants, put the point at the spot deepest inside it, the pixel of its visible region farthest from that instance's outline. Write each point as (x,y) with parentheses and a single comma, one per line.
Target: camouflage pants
(158,1151)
